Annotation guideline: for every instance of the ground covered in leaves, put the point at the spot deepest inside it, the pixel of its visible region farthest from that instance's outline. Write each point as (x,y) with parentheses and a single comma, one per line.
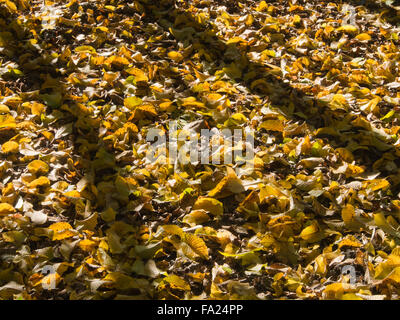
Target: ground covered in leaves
(81,83)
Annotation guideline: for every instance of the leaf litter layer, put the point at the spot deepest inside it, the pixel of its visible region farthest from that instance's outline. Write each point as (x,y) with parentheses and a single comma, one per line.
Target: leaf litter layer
(81,83)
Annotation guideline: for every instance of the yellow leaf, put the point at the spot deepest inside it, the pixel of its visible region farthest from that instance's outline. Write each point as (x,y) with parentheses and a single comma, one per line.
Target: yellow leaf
(87,245)
(72,194)
(348,29)
(111,8)
(38,167)
(7,121)
(311,233)
(353,170)
(263,6)
(377,184)
(3,108)
(348,213)
(40,182)
(140,76)
(239,118)
(143,111)
(237,39)
(6,208)
(394,275)
(89,223)
(197,244)
(296,19)
(371,106)
(49,280)
(37,108)
(167,106)
(89,49)
(196,217)
(110,77)
(177,283)
(48,135)
(175,56)
(339,102)
(230,184)
(273,125)
(132,102)
(118,62)
(11,6)
(267,53)
(121,281)
(192,102)
(349,241)
(10,147)
(173,229)
(197,277)
(381,222)
(210,205)
(363,37)
(233,71)
(345,154)
(351,296)
(321,265)
(333,291)
(386,267)
(248,257)
(62,230)
(108,215)
(268,191)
